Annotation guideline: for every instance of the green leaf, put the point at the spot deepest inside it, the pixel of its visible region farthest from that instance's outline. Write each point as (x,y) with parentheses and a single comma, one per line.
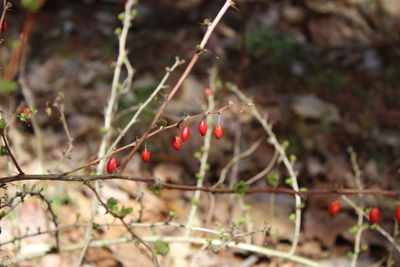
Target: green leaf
(199,175)
(364,247)
(195,201)
(2,123)
(293,158)
(112,204)
(118,31)
(353,229)
(207,167)
(156,190)
(121,16)
(197,155)
(350,254)
(241,188)
(31,5)
(3,150)
(209,240)
(286,144)
(292,217)
(288,181)
(173,214)
(23,117)
(246,208)
(161,248)
(162,122)
(273,179)
(240,221)
(7,87)
(125,211)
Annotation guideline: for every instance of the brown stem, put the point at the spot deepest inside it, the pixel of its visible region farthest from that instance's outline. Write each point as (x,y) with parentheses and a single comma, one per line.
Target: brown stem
(127,227)
(157,131)
(11,155)
(188,69)
(155,182)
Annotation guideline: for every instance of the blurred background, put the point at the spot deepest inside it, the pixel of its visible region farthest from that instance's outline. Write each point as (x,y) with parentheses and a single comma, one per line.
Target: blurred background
(327,73)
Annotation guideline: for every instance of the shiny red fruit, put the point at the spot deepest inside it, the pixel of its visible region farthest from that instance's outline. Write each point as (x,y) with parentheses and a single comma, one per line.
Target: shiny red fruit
(146,155)
(26,111)
(374,215)
(397,214)
(218,131)
(334,207)
(208,91)
(3,27)
(177,143)
(185,133)
(203,127)
(112,164)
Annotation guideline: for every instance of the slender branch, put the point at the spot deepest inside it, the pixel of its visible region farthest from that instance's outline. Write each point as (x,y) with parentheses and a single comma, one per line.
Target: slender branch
(203,164)
(172,239)
(155,181)
(155,132)
(378,228)
(265,170)
(188,69)
(9,153)
(272,139)
(127,227)
(160,86)
(108,116)
(236,158)
(360,228)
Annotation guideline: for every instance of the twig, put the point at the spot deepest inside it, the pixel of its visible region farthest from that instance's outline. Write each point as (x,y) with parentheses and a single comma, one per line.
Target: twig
(203,163)
(9,153)
(33,192)
(155,181)
(233,160)
(264,171)
(127,227)
(70,140)
(160,86)
(108,116)
(30,99)
(378,228)
(136,225)
(289,167)
(157,131)
(188,69)
(360,228)
(172,239)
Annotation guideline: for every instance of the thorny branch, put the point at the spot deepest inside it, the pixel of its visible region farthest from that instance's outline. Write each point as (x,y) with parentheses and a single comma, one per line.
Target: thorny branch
(188,69)
(156,182)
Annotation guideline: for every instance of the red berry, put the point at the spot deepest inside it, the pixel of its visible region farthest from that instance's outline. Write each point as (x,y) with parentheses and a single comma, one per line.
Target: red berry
(374,214)
(208,91)
(185,133)
(26,111)
(3,27)
(218,131)
(112,164)
(397,213)
(146,155)
(334,207)
(177,142)
(203,127)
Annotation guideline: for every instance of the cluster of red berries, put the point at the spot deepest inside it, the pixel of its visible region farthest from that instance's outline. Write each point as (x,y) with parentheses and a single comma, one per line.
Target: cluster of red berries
(178,139)
(374,213)
(3,26)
